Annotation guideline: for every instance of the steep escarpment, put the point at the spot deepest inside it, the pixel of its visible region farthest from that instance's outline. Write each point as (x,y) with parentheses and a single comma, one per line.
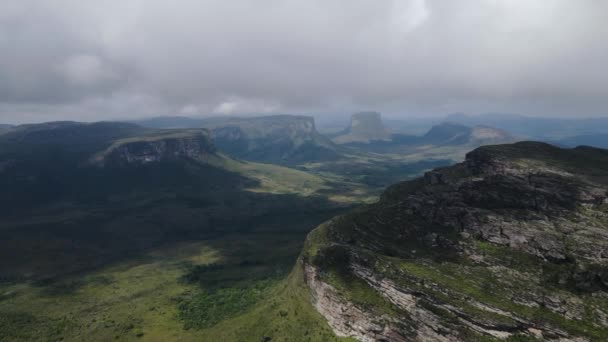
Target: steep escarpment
(510,244)
(284,139)
(192,144)
(364,127)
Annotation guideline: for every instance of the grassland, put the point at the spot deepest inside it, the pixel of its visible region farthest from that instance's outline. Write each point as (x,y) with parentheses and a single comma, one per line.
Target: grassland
(154,297)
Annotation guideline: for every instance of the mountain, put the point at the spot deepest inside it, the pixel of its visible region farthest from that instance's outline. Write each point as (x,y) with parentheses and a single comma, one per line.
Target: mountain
(544,128)
(284,139)
(445,138)
(510,244)
(159,147)
(76,196)
(455,134)
(364,128)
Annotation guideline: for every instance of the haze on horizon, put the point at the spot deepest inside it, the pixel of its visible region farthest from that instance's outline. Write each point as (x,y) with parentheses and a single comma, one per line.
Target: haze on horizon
(96,60)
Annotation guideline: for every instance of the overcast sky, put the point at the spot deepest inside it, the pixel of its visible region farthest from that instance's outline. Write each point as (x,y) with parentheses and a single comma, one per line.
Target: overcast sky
(93,60)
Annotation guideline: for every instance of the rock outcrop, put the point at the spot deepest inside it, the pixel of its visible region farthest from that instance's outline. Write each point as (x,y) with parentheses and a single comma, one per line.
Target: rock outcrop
(364,127)
(510,244)
(193,144)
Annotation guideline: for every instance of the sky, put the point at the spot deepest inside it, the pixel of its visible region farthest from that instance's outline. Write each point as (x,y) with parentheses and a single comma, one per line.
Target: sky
(119,59)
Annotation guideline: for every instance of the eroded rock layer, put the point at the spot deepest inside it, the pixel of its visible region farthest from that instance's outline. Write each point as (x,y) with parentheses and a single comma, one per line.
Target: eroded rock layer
(511,244)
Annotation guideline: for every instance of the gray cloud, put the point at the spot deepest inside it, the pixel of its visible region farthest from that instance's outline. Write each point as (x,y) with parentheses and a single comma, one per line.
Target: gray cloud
(70,59)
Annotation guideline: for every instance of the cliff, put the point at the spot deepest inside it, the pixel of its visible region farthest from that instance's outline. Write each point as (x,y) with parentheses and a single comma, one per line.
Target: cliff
(285,139)
(364,127)
(164,146)
(510,244)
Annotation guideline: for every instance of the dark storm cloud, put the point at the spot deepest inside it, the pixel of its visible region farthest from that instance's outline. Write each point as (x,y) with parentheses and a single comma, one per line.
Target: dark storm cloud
(68,59)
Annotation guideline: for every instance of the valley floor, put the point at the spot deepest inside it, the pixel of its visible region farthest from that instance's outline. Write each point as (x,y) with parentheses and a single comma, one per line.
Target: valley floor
(234,288)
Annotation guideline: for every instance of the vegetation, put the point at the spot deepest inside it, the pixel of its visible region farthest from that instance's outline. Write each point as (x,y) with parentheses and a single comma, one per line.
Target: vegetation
(183,250)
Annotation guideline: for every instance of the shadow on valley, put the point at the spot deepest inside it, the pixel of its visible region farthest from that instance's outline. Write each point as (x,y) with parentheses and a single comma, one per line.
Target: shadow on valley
(87,219)
(60,214)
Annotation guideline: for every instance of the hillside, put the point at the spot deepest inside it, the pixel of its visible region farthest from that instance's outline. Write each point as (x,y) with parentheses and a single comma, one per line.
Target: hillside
(133,188)
(510,244)
(111,231)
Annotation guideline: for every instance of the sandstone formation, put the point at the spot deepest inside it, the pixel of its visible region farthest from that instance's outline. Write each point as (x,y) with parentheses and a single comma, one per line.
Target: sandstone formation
(364,127)
(510,244)
(194,144)
(284,139)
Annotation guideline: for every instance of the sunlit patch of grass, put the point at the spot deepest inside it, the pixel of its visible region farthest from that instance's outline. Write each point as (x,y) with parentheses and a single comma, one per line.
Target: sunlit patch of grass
(285,314)
(133,299)
(139,298)
(274,178)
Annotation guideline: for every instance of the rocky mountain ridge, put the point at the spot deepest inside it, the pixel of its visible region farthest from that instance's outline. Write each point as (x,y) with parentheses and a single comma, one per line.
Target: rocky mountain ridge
(510,244)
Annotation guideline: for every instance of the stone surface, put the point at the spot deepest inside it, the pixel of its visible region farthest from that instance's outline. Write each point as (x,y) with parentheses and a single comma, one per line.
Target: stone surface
(511,242)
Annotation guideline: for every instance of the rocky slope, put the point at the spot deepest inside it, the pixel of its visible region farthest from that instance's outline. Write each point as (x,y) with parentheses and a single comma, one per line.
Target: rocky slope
(510,244)
(282,139)
(364,127)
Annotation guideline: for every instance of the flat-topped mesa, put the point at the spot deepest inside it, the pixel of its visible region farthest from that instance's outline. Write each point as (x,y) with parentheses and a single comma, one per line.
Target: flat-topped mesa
(448,133)
(364,127)
(165,146)
(277,139)
(297,128)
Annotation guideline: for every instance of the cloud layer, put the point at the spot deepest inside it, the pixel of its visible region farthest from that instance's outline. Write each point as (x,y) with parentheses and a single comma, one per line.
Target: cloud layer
(90,60)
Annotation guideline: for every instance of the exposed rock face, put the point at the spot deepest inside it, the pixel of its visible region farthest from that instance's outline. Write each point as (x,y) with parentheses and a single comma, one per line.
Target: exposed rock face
(364,127)
(280,138)
(344,317)
(195,145)
(513,242)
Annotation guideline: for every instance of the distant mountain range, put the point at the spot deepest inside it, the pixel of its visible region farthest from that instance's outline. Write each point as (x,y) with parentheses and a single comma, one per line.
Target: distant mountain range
(543,128)
(562,131)
(372,136)
(284,139)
